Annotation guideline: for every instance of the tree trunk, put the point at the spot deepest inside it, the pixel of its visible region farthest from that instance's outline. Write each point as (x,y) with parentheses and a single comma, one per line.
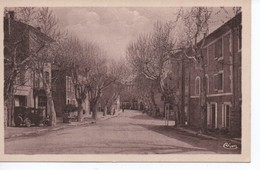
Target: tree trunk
(50,103)
(10,109)
(176,110)
(80,111)
(154,106)
(203,101)
(8,112)
(94,110)
(182,110)
(105,111)
(203,115)
(51,106)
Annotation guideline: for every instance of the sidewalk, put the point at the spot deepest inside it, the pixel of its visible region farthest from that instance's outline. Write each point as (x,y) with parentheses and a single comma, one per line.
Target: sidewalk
(12,132)
(210,136)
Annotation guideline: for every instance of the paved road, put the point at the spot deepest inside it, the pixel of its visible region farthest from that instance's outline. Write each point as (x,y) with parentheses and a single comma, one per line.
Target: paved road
(132,132)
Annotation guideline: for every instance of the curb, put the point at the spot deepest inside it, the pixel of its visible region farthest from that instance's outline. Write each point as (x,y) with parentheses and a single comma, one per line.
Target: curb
(40,131)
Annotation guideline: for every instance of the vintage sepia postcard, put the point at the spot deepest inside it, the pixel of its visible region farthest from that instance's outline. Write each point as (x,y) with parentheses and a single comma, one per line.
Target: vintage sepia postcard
(126,81)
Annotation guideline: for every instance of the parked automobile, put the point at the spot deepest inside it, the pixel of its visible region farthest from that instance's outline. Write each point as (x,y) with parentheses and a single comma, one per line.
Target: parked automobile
(28,116)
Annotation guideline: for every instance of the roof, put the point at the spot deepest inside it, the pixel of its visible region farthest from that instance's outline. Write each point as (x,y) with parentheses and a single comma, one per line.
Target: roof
(230,24)
(233,22)
(33,29)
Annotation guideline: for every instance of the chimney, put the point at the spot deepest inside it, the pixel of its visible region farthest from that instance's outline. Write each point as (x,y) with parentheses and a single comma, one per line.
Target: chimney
(11,14)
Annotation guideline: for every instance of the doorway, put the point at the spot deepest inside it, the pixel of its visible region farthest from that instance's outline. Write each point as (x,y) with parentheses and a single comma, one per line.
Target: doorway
(212,115)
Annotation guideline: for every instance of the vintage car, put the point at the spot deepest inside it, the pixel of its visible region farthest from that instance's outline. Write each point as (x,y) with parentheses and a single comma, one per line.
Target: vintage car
(28,116)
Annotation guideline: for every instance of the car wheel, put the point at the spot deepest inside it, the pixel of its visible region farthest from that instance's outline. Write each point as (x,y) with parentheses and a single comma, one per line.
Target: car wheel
(18,120)
(27,122)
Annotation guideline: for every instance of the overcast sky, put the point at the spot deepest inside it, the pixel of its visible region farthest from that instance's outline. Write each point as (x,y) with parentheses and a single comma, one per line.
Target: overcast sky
(114,28)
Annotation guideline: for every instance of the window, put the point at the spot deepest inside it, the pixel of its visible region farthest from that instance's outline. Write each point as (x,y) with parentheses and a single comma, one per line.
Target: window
(212,115)
(20,78)
(71,85)
(197,86)
(42,101)
(220,81)
(68,83)
(218,49)
(47,77)
(20,100)
(215,82)
(37,82)
(211,51)
(207,83)
(226,116)
(205,55)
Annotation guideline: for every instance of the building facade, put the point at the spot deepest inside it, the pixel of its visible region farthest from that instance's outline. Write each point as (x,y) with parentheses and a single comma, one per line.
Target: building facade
(63,91)
(127,98)
(20,40)
(222,51)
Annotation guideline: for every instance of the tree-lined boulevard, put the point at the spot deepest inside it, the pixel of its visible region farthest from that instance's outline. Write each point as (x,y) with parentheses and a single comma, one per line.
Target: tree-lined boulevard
(175,75)
(132,132)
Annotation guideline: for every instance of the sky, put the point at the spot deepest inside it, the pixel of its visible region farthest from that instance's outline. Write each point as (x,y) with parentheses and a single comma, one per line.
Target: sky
(114,28)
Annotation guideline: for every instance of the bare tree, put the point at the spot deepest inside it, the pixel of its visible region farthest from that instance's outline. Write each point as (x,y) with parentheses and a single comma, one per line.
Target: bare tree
(47,25)
(110,95)
(144,91)
(149,54)
(71,60)
(90,72)
(112,92)
(17,59)
(41,65)
(196,29)
(102,75)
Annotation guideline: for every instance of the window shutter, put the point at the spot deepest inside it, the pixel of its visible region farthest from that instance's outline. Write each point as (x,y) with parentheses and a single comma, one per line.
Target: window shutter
(215,82)
(220,47)
(220,81)
(216,50)
(227,116)
(223,115)
(208,114)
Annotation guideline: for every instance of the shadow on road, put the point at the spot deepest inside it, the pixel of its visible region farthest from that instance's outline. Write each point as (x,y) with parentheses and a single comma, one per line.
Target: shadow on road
(144,149)
(196,141)
(142,117)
